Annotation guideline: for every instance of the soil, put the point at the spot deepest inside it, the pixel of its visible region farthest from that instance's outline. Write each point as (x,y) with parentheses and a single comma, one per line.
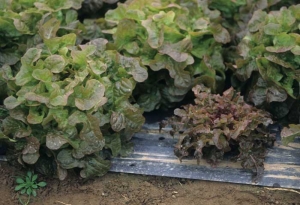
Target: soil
(118,189)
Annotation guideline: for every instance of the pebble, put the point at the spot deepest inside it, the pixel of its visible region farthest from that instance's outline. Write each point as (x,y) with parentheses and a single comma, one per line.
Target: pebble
(173,196)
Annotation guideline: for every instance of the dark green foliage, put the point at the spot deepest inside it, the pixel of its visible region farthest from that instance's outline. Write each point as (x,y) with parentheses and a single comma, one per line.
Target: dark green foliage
(216,123)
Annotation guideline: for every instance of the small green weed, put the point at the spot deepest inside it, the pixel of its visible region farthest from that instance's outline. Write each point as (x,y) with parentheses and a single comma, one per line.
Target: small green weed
(28,185)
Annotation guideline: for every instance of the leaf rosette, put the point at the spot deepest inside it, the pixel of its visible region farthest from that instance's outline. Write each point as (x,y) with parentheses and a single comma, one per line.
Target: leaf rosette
(215,124)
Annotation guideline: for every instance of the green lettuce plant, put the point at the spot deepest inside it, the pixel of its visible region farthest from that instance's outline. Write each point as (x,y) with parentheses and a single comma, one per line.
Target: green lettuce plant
(270,60)
(236,14)
(180,41)
(72,103)
(217,123)
(20,21)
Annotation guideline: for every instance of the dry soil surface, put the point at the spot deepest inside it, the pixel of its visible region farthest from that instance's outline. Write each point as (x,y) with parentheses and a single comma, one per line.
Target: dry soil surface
(118,189)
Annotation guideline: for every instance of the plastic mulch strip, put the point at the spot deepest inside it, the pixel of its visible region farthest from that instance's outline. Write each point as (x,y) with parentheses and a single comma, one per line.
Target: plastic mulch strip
(153,155)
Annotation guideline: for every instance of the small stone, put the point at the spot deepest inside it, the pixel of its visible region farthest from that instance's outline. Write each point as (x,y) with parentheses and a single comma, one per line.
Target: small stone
(173,196)
(174,192)
(104,194)
(276,202)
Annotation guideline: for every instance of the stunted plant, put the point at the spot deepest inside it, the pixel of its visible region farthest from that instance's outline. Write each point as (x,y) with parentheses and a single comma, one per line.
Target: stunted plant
(216,124)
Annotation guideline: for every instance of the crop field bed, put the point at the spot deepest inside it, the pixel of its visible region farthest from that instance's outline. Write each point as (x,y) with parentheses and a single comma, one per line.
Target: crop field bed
(153,155)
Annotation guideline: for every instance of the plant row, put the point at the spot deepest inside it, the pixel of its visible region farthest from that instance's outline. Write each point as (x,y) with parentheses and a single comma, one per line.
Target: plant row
(74,92)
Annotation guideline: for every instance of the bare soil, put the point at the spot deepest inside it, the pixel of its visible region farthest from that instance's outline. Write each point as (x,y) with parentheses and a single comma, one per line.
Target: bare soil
(118,189)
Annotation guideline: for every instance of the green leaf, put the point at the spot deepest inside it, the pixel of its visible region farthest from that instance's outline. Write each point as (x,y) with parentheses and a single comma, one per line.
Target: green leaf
(29,174)
(178,51)
(123,35)
(221,35)
(97,66)
(42,75)
(42,184)
(23,76)
(19,181)
(272,29)
(11,102)
(31,56)
(30,158)
(288,134)
(95,166)
(138,72)
(155,34)
(296,50)
(29,191)
(282,43)
(34,177)
(19,187)
(117,121)
(23,191)
(149,101)
(67,161)
(34,193)
(79,58)
(14,127)
(257,20)
(126,149)
(54,44)
(90,96)
(9,58)
(113,142)
(35,115)
(71,16)
(55,139)
(30,96)
(286,17)
(55,63)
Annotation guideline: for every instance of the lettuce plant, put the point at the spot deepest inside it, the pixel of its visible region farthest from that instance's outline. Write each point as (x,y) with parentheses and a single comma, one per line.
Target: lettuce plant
(236,14)
(215,124)
(20,21)
(72,103)
(270,61)
(180,41)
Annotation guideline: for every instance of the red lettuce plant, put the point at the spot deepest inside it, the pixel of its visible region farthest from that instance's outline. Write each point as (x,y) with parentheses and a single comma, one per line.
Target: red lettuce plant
(215,124)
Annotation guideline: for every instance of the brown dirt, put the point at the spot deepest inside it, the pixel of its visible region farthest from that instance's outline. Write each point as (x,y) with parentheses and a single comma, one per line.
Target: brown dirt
(118,189)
